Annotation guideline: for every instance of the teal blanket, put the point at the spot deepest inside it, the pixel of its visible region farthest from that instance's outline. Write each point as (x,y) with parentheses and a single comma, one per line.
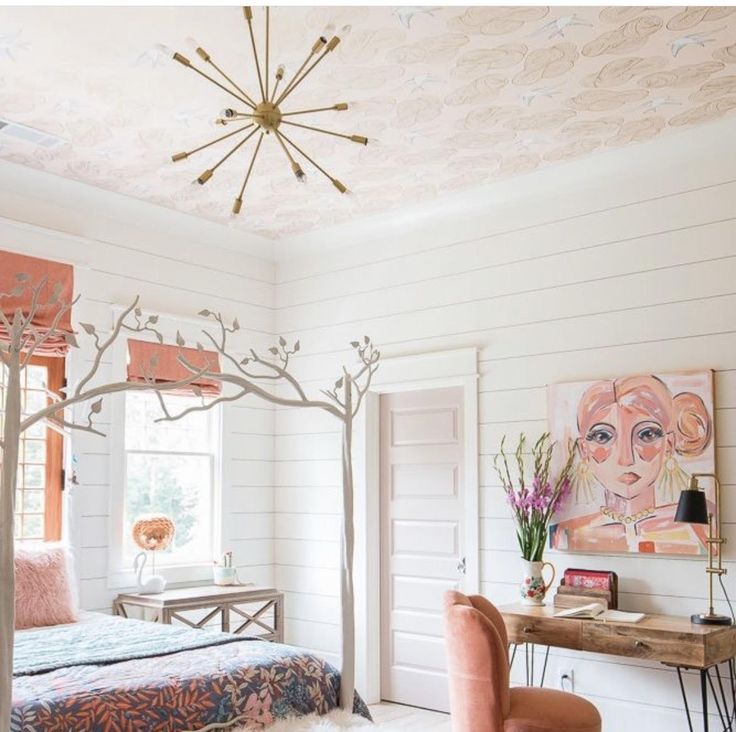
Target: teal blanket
(116,639)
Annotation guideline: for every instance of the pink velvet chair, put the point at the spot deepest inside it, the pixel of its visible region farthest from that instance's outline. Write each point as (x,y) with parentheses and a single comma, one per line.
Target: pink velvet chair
(480,697)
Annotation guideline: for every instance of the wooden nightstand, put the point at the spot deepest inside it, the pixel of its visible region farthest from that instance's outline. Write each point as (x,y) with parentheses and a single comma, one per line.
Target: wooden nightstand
(265,608)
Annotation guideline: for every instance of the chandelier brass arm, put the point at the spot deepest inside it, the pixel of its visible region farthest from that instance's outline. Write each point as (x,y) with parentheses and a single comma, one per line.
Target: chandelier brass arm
(335,107)
(298,172)
(176,157)
(248,12)
(237,205)
(184,61)
(266,116)
(279,76)
(202,179)
(353,138)
(331,46)
(319,44)
(208,60)
(335,182)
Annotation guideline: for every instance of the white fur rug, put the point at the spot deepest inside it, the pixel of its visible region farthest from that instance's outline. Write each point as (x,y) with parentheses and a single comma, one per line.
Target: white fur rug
(336,721)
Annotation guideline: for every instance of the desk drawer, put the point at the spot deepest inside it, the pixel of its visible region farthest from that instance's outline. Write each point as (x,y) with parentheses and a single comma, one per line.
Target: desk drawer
(544,631)
(635,642)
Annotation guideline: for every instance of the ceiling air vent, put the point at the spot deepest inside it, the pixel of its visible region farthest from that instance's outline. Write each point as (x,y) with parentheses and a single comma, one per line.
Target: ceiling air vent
(31,135)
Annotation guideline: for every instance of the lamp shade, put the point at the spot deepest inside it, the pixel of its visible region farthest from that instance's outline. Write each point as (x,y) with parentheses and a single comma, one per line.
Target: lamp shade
(692,508)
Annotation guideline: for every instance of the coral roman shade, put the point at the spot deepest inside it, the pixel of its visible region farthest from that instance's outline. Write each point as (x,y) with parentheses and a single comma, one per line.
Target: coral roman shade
(17,295)
(160,362)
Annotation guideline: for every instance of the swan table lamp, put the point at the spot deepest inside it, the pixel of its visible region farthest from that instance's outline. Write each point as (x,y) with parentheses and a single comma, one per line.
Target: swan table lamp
(152,533)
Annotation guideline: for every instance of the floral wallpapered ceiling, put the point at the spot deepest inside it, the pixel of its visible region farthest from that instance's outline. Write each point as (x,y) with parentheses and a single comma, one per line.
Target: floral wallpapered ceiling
(450,97)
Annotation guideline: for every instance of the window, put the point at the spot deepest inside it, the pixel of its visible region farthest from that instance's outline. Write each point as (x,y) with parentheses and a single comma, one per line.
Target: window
(40,460)
(170,468)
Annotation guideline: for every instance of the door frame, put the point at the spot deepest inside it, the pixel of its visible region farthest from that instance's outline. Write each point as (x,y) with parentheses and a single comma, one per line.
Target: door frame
(435,370)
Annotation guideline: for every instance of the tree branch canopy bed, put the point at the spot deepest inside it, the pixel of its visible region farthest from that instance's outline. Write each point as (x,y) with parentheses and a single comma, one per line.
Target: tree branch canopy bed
(97,677)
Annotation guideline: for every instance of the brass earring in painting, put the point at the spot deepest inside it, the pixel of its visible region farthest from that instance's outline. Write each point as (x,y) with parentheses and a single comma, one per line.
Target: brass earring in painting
(672,480)
(582,482)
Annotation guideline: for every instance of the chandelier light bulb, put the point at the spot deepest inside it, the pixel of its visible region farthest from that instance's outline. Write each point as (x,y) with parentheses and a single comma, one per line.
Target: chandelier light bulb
(195,47)
(228,113)
(164,50)
(280,71)
(301,176)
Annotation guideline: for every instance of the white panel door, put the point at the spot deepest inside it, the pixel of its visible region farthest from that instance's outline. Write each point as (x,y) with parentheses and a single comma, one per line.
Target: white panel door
(422,512)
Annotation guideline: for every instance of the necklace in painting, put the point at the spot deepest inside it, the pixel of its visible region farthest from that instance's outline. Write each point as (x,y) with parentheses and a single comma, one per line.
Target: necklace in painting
(627,519)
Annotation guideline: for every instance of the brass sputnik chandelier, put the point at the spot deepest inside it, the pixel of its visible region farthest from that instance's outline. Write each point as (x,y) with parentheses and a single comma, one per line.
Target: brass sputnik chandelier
(267,116)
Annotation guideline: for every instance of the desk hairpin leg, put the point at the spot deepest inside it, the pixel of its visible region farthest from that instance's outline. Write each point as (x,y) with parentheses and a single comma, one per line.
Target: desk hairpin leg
(726,715)
(529,662)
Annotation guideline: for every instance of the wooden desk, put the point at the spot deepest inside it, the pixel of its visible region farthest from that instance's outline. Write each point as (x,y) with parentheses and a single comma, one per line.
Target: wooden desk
(667,639)
(222,601)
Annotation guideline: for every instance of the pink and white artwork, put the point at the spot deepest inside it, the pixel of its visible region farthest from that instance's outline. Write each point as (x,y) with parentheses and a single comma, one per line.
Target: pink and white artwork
(639,440)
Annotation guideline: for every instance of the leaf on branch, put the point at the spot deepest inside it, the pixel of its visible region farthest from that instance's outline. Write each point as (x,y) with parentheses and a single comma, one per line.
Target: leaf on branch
(71,340)
(17,291)
(354,344)
(366,340)
(196,390)
(236,324)
(282,341)
(297,347)
(245,362)
(205,313)
(55,293)
(96,407)
(200,347)
(89,329)
(179,339)
(273,350)
(138,312)
(339,382)
(153,319)
(160,338)
(22,277)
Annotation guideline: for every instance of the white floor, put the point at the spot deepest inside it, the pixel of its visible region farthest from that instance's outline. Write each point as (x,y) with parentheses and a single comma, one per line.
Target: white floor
(411,718)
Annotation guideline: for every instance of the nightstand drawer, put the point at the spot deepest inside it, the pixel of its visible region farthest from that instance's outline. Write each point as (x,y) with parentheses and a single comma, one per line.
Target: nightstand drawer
(544,631)
(638,642)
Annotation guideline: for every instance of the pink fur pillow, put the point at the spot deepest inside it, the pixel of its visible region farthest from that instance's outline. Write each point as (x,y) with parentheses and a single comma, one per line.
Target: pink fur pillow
(43,592)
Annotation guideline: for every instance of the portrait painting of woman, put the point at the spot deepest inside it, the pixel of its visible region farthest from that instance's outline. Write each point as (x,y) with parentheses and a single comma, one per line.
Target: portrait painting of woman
(638,440)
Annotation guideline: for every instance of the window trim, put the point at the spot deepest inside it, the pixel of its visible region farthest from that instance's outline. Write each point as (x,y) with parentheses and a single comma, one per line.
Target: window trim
(54,462)
(120,574)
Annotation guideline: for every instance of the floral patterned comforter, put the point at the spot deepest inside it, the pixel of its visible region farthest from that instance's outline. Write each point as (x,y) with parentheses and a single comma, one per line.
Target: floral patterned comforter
(250,682)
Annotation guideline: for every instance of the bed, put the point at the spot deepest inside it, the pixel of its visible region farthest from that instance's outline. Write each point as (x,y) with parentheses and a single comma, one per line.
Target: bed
(107,674)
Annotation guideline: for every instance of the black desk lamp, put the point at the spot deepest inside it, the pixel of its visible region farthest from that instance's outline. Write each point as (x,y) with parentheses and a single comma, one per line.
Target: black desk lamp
(693,509)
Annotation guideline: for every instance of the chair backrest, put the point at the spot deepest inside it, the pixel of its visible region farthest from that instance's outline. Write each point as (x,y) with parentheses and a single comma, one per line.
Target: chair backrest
(477,653)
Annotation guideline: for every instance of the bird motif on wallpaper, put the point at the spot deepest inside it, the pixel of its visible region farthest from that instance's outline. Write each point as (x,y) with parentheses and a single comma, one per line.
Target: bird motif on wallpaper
(10,44)
(693,39)
(558,26)
(419,82)
(653,105)
(407,13)
(543,91)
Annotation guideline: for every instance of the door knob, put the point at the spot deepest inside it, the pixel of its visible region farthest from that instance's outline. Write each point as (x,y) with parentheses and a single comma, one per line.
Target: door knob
(462,567)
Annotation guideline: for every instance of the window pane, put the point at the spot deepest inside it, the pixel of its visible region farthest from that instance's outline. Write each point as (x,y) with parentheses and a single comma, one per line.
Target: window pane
(142,432)
(31,497)
(179,486)
(32,501)
(32,526)
(35,451)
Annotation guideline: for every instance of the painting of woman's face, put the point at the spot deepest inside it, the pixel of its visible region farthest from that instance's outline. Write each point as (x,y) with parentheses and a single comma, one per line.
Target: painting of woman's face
(626,449)
(639,439)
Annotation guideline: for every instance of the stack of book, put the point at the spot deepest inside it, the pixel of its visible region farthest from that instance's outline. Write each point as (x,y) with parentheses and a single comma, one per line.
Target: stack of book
(583,586)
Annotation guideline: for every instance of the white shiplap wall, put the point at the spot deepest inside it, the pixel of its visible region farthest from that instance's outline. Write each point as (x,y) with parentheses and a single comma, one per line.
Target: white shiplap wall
(123,248)
(622,263)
